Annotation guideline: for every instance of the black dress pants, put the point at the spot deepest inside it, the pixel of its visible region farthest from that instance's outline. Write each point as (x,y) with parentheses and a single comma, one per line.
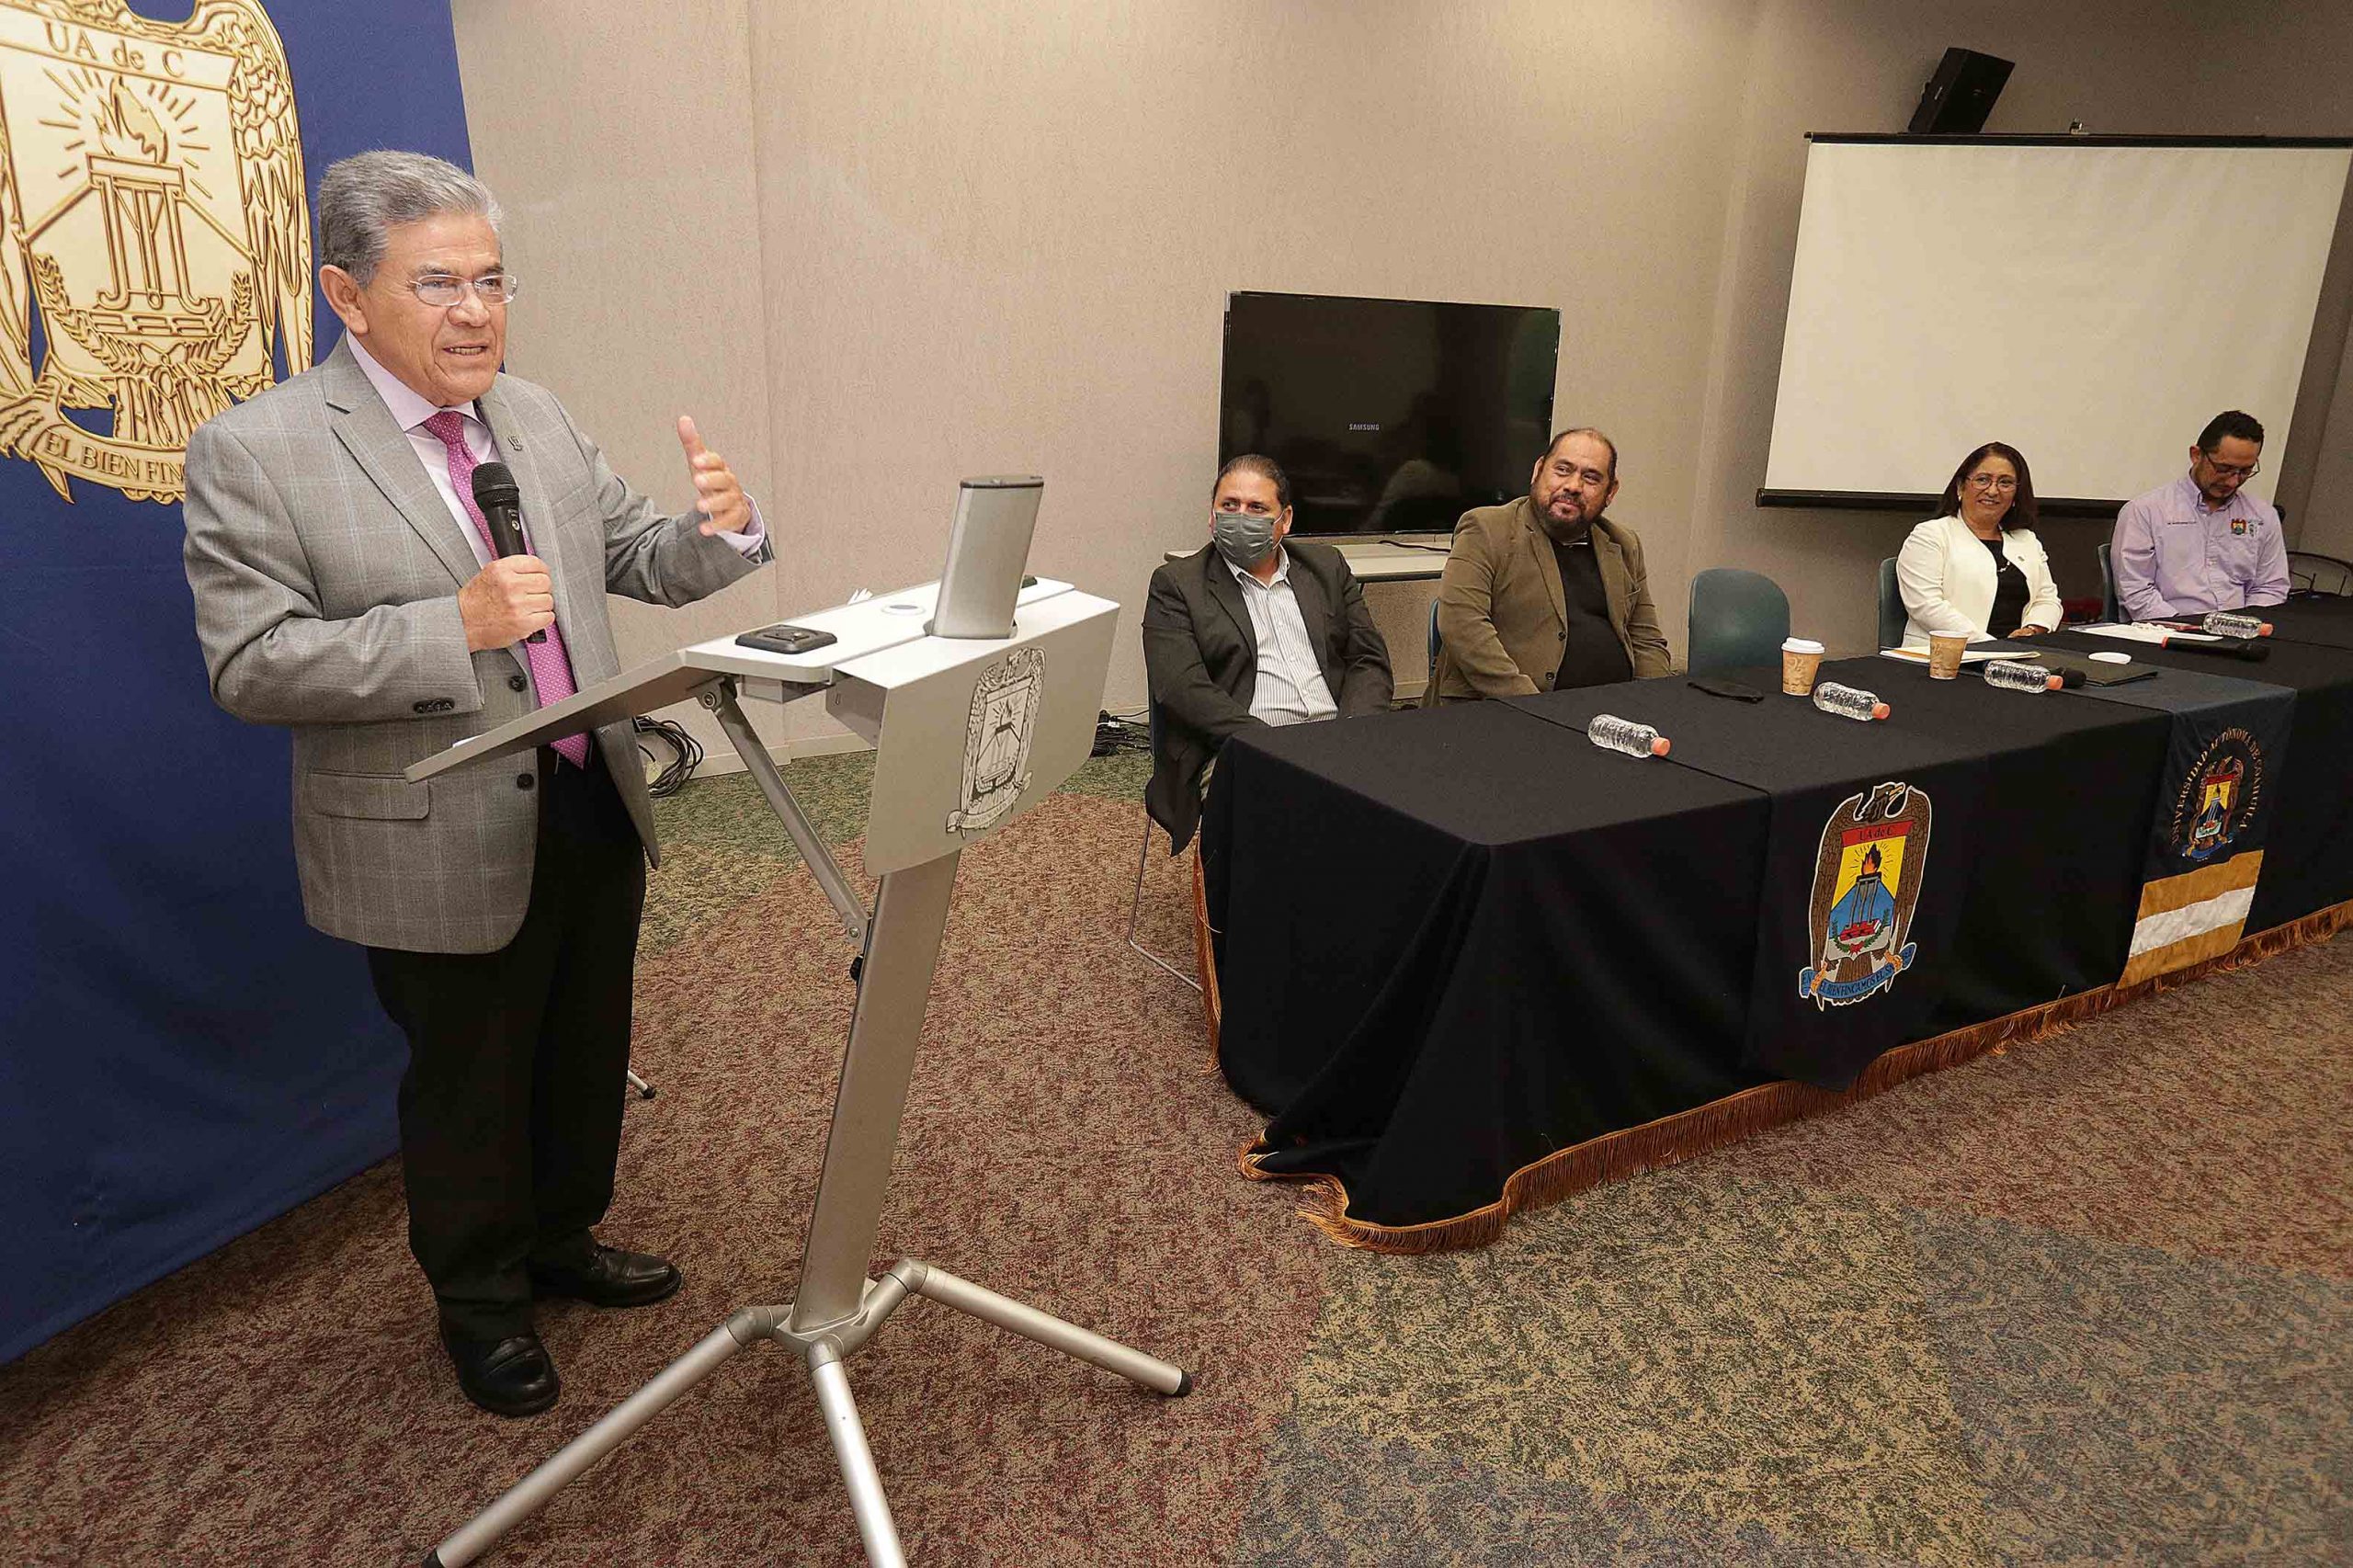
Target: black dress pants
(510,1111)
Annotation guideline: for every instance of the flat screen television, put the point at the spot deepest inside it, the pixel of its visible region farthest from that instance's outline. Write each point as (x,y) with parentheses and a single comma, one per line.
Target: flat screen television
(1392,416)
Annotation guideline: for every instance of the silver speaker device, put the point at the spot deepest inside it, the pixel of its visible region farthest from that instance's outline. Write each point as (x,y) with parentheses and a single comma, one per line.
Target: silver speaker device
(988,547)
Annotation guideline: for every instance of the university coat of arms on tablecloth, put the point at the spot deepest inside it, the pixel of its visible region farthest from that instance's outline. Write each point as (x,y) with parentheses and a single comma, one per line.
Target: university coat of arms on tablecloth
(1866,877)
(2217,797)
(2208,855)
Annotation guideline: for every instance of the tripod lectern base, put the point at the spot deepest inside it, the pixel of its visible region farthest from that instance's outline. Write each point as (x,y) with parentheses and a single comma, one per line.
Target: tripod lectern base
(1017,713)
(824,1351)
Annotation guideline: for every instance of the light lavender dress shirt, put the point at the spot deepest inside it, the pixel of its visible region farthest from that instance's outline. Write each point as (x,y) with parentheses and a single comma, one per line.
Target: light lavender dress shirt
(2174,555)
(1290,687)
(410,411)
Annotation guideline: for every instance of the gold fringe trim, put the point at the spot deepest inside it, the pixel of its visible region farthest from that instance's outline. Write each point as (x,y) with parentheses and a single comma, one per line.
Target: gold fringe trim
(1670,1140)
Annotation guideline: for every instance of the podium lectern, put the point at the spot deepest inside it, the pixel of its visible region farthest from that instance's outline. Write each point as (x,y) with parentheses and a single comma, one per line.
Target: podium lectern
(968,734)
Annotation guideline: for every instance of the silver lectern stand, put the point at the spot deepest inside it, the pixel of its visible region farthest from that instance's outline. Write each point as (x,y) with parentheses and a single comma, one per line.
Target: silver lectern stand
(968,734)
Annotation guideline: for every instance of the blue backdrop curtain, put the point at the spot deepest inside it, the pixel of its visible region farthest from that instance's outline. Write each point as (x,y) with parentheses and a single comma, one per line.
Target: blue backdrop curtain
(184,1057)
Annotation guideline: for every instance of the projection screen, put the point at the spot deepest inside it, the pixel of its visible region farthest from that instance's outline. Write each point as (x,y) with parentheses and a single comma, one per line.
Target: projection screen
(2092,302)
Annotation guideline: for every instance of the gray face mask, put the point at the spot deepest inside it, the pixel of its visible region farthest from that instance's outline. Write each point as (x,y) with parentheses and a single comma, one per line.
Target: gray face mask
(1245,538)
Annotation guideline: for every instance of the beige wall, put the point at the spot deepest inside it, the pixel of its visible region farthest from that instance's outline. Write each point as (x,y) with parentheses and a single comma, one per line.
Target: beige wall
(2177,69)
(619,139)
(2327,525)
(880,246)
(1002,236)
(1840,65)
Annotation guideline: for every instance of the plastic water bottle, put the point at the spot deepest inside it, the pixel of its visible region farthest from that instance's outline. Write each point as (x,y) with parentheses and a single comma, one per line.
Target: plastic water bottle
(2016,675)
(1612,733)
(2231,623)
(1847,702)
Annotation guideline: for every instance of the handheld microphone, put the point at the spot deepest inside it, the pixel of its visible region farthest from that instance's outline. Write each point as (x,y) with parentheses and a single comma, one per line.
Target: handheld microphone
(2253,653)
(501,500)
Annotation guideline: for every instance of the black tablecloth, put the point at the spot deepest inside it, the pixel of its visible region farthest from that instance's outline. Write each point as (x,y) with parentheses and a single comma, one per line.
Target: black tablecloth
(1455,940)
(2309,863)
(2026,900)
(2216,798)
(2325,622)
(2069,786)
(1809,764)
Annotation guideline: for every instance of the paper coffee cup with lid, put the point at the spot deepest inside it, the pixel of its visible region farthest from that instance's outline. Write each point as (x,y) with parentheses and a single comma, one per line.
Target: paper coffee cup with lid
(1800,657)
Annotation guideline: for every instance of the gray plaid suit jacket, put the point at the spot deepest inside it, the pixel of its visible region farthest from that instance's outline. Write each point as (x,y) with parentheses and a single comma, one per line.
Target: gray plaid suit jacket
(325,570)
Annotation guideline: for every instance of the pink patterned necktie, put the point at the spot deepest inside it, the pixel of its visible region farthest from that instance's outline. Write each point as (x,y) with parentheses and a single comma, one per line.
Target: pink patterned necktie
(550,665)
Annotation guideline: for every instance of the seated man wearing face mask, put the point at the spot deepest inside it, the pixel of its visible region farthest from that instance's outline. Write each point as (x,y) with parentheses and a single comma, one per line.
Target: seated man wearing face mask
(1250,629)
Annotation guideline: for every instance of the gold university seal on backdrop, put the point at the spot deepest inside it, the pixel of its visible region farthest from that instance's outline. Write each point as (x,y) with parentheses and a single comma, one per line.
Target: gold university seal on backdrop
(152,227)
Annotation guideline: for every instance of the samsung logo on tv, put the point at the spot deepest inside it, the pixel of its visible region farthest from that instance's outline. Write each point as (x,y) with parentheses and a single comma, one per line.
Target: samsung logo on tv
(1364,424)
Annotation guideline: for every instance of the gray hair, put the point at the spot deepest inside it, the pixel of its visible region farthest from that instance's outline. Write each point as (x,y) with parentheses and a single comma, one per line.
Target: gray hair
(363,198)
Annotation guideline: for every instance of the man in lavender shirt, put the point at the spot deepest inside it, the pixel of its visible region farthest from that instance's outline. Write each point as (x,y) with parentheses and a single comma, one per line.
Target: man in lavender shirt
(2202,543)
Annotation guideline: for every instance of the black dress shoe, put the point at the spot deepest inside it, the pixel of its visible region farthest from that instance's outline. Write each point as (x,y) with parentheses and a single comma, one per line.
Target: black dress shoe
(611,1277)
(507,1377)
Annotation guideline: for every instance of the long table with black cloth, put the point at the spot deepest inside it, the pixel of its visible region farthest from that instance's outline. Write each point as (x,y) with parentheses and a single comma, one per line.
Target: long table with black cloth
(1456,947)
(2309,653)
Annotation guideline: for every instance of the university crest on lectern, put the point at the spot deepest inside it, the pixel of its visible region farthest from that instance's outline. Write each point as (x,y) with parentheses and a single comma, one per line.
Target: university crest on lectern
(153,223)
(997,732)
(1867,877)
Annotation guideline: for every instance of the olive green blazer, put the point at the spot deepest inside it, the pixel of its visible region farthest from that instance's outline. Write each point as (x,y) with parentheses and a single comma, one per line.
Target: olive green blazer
(1501,620)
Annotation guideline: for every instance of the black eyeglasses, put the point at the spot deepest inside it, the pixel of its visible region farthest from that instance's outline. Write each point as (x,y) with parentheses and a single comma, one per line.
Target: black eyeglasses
(2233,470)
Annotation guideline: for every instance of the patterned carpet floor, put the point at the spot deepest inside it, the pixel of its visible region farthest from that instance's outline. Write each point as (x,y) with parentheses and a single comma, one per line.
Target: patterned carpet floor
(2085,1301)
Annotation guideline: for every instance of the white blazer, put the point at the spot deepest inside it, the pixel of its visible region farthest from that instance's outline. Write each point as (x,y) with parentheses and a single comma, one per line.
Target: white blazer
(1946,575)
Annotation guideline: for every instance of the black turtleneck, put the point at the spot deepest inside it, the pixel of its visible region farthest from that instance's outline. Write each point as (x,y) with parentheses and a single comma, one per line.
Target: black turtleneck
(1595,657)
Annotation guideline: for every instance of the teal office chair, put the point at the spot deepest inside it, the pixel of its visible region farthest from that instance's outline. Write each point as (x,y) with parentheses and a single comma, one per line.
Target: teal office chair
(1738,619)
(1434,643)
(1890,607)
(2109,609)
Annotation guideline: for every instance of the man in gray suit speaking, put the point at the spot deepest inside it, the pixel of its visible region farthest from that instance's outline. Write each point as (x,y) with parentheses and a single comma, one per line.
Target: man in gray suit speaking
(347,586)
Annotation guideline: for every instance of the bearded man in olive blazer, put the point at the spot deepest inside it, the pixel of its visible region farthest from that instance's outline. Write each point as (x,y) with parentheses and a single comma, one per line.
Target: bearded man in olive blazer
(1250,629)
(1547,592)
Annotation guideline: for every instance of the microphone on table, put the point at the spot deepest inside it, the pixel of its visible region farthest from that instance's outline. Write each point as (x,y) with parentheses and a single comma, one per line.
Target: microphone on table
(2253,653)
(501,500)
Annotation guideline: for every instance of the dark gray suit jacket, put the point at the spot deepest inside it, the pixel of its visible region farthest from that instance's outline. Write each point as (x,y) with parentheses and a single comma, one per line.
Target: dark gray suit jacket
(326,568)
(1201,660)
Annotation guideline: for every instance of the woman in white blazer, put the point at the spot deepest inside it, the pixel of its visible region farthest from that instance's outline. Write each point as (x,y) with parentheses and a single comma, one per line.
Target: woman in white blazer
(1976,569)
